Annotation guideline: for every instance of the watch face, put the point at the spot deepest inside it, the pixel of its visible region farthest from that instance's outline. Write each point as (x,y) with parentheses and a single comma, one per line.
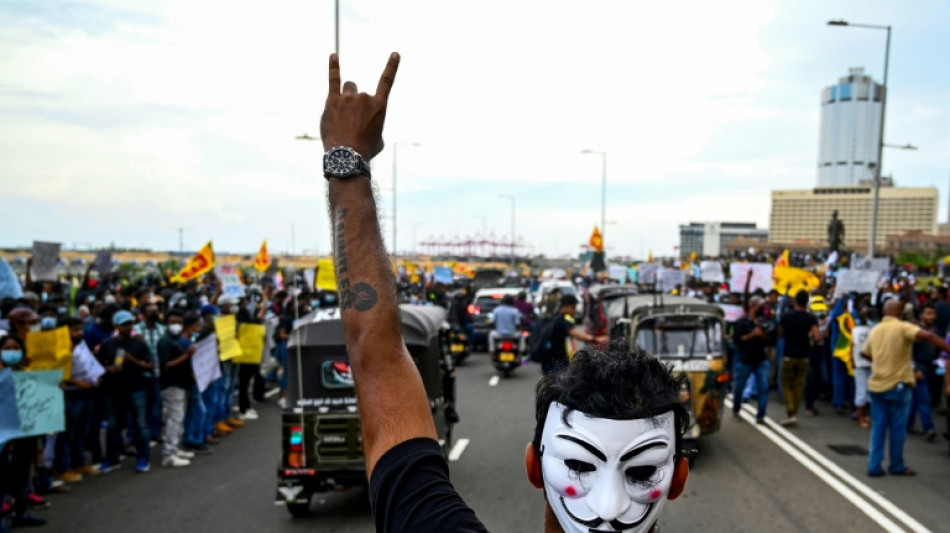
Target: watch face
(340,161)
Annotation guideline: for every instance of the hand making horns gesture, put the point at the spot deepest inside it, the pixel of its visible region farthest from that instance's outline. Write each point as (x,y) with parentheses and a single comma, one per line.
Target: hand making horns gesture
(355,119)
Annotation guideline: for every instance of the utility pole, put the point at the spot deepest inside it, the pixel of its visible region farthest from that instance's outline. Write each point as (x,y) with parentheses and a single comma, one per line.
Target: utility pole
(181,240)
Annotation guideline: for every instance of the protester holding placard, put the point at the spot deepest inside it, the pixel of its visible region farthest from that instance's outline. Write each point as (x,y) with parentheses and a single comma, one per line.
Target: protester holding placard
(70,446)
(174,355)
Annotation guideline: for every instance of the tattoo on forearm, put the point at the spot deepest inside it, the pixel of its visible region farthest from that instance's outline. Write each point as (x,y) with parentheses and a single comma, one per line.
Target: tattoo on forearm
(361,296)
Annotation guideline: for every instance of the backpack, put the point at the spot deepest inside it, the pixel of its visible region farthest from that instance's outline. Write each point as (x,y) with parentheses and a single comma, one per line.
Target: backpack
(540,348)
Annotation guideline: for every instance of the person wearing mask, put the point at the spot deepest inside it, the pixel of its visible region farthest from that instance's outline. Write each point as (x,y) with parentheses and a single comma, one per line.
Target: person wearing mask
(799,328)
(174,355)
(751,342)
(151,330)
(925,356)
(126,359)
(22,321)
(890,349)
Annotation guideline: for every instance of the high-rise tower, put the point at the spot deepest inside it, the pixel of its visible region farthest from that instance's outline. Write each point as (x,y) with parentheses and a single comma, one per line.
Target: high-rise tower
(850,130)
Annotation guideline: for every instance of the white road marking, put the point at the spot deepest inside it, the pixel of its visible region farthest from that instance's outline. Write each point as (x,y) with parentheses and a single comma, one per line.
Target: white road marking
(824,474)
(493,381)
(458,449)
(868,492)
(273,392)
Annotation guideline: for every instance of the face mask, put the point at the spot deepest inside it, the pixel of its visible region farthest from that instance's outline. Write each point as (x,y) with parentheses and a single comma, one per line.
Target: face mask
(11,357)
(62,310)
(606,474)
(48,322)
(175,329)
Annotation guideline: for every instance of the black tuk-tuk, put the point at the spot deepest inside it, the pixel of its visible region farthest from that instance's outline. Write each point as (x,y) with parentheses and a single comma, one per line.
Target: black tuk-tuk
(321,441)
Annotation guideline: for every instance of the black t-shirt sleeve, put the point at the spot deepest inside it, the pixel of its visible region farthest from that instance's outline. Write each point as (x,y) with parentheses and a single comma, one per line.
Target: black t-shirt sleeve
(410,491)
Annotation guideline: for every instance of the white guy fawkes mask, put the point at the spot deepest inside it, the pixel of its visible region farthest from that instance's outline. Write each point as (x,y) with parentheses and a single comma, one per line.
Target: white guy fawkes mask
(603,475)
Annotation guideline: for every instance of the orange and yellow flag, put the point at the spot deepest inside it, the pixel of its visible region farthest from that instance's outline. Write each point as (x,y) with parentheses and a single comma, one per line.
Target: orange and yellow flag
(262,263)
(596,240)
(202,262)
(782,261)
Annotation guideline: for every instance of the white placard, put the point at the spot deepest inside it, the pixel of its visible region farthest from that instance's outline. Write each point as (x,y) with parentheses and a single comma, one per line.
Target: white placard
(646,272)
(761,276)
(45,258)
(204,362)
(668,278)
(103,262)
(711,271)
(877,264)
(231,284)
(618,272)
(85,365)
(733,312)
(859,281)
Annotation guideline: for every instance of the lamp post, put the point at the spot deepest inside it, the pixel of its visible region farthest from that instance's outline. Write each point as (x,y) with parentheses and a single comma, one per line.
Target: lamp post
(603,190)
(880,146)
(395,151)
(512,198)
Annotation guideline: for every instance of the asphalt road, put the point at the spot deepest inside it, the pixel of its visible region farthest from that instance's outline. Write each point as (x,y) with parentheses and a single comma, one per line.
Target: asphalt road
(742,481)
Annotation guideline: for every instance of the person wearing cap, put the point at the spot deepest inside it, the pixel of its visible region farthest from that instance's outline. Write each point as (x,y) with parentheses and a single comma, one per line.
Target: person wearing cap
(127,360)
(564,335)
(799,328)
(23,320)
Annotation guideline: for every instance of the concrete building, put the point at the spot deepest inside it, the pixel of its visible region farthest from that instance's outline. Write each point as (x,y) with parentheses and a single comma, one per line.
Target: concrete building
(710,239)
(918,242)
(850,130)
(803,215)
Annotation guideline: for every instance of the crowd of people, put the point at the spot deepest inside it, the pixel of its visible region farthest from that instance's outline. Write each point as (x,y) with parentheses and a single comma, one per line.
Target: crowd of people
(143,332)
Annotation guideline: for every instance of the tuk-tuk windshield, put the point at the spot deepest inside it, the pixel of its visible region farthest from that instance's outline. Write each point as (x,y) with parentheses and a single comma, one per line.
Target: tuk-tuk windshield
(680,336)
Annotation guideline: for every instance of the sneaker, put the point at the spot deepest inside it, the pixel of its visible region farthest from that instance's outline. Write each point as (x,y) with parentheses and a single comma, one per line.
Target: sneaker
(249,415)
(184,454)
(199,449)
(142,466)
(790,421)
(108,466)
(760,421)
(71,476)
(175,461)
(36,501)
(89,470)
(282,403)
(27,520)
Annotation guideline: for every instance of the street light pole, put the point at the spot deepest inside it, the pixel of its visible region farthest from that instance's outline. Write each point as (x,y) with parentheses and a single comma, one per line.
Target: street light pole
(603,191)
(880,147)
(512,198)
(336,27)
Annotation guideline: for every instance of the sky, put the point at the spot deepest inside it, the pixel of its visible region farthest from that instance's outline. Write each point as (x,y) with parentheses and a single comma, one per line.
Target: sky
(123,121)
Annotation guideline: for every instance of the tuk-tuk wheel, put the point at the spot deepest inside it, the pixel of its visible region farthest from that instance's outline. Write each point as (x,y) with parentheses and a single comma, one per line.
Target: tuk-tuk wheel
(299,510)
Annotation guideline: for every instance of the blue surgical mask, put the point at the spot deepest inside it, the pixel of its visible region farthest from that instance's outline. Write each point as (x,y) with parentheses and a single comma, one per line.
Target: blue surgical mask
(62,310)
(48,322)
(11,357)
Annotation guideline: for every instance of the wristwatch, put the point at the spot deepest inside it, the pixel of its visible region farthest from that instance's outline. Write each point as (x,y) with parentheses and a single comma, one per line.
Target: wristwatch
(344,162)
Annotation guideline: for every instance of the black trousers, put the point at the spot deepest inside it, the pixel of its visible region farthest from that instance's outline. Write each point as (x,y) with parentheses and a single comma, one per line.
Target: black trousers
(245,373)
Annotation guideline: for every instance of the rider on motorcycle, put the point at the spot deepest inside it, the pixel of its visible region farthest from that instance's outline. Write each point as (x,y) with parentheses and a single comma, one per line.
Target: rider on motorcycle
(507,320)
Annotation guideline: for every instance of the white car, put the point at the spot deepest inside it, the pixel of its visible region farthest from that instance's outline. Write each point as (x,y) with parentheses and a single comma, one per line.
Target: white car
(547,287)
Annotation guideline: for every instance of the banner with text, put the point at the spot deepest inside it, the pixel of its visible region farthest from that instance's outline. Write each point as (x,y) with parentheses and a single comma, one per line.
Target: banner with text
(761,276)
(225,327)
(204,363)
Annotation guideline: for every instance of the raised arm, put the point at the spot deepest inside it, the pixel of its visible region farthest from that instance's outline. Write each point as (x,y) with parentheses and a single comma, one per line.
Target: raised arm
(393,404)
(926,336)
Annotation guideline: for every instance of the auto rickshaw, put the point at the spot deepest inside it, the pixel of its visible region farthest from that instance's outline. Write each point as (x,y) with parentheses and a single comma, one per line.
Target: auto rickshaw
(687,334)
(321,440)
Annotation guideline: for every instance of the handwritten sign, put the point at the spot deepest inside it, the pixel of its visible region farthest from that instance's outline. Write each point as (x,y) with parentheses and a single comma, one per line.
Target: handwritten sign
(85,365)
(45,258)
(103,262)
(9,416)
(326,275)
(711,271)
(646,272)
(761,276)
(225,327)
(231,284)
(204,363)
(251,339)
(668,279)
(859,281)
(39,402)
(9,284)
(49,350)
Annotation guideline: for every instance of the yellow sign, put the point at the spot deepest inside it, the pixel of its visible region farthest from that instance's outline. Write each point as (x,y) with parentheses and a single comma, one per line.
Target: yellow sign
(326,275)
(597,240)
(262,263)
(225,327)
(202,262)
(50,350)
(251,339)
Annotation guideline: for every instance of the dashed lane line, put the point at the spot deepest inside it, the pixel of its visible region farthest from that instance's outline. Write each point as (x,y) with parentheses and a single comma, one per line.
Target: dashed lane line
(458,449)
(493,381)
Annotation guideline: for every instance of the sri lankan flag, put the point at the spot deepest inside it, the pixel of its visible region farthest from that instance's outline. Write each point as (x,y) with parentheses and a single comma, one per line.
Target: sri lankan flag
(843,346)
(597,240)
(202,262)
(262,263)
(782,261)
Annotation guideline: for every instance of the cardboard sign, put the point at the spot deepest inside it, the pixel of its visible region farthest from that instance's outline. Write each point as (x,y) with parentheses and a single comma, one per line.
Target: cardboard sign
(251,339)
(668,279)
(326,275)
(103,262)
(859,281)
(9,283)
(646,272)
(231,284)
(225,327)
(39,402)
(761,276)
(85,365)
(711,272)
(204,363)
(45,258)
(9,416)
(48,350)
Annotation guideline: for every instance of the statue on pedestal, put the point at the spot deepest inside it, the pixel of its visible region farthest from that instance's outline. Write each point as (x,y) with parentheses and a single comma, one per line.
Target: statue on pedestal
(835,233)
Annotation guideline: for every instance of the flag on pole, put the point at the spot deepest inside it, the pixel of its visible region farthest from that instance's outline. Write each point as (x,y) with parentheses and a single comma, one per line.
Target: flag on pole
(262,263)
(782,261)
(202,262)
(843,346)
(597,240)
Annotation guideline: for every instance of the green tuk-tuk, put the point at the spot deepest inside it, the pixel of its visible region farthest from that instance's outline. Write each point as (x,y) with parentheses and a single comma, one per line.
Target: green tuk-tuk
(321,440)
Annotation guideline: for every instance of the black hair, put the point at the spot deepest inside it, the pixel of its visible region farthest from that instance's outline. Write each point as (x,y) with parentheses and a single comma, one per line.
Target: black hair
(619,383)
(190,319)
(18,340)
(105,314)
(175,312)
(47,308)
(70,321)
(508,299)
(801,298)
(926,306)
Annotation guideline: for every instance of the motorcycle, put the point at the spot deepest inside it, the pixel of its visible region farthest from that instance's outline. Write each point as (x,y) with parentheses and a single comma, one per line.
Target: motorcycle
(458,343)
(509,353)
